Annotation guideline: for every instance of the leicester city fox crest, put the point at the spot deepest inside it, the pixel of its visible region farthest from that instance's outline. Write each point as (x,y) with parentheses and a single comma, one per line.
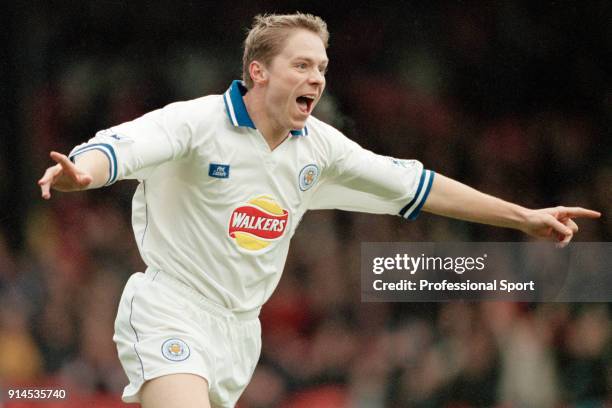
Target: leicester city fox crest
(175,350)
(308,176)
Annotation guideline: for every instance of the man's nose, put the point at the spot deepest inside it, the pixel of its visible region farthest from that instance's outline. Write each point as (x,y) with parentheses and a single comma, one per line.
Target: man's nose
(317,77)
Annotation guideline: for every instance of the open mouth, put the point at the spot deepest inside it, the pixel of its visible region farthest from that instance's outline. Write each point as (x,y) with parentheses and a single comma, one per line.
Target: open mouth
(305,103)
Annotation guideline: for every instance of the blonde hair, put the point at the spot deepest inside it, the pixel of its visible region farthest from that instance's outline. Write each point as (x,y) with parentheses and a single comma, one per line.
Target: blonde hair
(267,36)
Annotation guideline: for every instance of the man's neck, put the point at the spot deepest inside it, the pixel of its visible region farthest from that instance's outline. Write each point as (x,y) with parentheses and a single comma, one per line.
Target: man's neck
(255,105)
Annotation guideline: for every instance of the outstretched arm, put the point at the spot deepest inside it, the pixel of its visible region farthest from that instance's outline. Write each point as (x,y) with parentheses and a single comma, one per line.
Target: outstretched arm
(91,170)
(456,200)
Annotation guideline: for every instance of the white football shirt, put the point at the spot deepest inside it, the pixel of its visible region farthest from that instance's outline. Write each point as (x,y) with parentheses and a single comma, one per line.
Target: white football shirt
(216,208)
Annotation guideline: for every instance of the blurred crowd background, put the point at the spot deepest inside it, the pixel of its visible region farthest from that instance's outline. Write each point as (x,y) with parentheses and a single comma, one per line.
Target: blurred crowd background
(513,98)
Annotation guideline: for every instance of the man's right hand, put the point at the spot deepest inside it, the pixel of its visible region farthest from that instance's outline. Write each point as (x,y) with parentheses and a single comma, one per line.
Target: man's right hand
(64,176)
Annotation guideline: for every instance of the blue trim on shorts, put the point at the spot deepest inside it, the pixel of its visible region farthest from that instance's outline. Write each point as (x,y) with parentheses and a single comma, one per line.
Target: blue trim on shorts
(137,340)
(144,232)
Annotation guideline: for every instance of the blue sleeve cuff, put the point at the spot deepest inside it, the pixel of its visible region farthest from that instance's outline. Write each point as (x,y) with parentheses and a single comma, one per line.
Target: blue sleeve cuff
(413,208)
(105,148)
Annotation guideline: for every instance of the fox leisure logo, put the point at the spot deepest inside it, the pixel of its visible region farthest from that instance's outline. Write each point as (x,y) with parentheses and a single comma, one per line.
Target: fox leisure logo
(255,225)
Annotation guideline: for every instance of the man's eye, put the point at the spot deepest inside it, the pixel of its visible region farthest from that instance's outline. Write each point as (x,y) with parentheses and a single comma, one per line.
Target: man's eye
(302,65)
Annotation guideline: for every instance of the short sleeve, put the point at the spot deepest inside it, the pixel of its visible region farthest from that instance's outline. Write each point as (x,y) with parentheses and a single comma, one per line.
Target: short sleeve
(360,180)
(135,148)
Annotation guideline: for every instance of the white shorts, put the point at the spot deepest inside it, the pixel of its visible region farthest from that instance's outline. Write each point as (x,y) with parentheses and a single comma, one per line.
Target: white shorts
(165,327)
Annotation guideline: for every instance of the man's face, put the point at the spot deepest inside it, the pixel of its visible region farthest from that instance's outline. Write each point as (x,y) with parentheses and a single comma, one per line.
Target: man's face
(296,80)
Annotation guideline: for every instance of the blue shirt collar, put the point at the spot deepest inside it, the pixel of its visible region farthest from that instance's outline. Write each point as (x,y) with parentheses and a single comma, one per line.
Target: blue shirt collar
(237,112)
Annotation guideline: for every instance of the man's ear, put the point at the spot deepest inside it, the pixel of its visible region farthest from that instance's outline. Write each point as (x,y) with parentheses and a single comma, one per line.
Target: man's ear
(258,72)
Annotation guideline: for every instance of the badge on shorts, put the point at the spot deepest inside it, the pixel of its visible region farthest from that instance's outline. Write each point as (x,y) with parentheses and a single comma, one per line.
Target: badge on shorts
(308,176)
(175,350)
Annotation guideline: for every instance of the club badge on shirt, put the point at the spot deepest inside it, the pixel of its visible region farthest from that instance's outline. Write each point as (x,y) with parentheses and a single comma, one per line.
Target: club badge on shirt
(308,176)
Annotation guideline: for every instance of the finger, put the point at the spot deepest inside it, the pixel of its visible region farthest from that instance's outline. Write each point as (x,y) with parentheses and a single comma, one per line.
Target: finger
(557,226)
(50,174)
(561,244)
(63,160)
(579,212)
(565,241)
(83,180)
(47,179)
(45,190)
(568,222)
